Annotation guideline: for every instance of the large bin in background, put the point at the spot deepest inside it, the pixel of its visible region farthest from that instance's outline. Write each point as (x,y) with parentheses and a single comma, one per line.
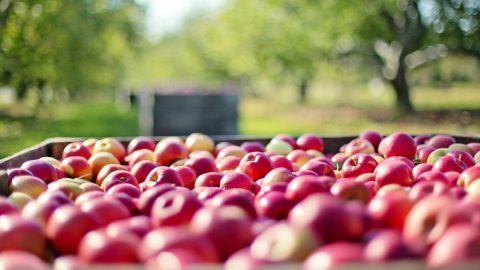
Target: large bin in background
(181,113)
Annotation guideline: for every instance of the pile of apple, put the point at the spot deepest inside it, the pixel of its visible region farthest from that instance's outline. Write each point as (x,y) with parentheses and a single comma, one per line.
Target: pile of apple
(177,203)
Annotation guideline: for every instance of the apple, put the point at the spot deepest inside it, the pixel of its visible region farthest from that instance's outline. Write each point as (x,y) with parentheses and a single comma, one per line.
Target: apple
(141,170)
(461,147)
(19,199)
(118,177)
(199,141)
(351,190)
(286,138)
(140,142)
(77,167)
(423,189)
(310,141)
(279,161)
(168,151)
(393,172)
(243,259)
(302,186)
(129,189)
(372,136)
(327,217)
(277,175)
(474,188)
(77,149)
(161,175)
(90,143)
(99,247)
(391,209)
(298,157)
(477,158)
(41,209)
(15,259)
(437,154)
(423,153)
(421,168)
(149,196)
(387,245)
(253,146)
(223,223)
(98,160)
(207,193)
(69,186)
(440,141)
(108,169)
(358,164)
(41,169)
(17,233)
(236,180)
(68,262)
(55,162)
(359,145)
(174,208)
(334,255)
(202,165)
(475,146)
(432,176)
(366,177)
(391,188)
(256,165)
(274,205)
(229,163)
(231,150)
(398,144)
(319,167)
(139,155)
(468,176)
(279,186)
(105,210)
(7,207)
(421,139)
(28,184)
(402,159)
(67,226)
(449,163)
(111,145)
(458,245)
(11,173)
(219,146)
(209,179)
(339,159)
(464,156)
(137,225)
(279,147)
(235,197)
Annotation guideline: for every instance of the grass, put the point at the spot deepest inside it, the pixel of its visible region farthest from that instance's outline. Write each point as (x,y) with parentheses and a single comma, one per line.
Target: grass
(342,110)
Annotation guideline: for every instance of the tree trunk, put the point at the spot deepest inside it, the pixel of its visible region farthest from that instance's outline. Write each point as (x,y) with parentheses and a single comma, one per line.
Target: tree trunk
(303,89)
(402,89)
(22,90)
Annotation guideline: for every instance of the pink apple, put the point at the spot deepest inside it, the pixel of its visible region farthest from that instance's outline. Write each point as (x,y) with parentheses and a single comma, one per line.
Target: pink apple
(108,169)
(421,168)
(399,144)
(209,179)
(139,155)
(358,164)
(140,142)
(111,145)
(202,165)
(141,170)
(228,163)
(274,205)
(310,141)
(449,163)
(391,209)
(359,145)
(168,151)
(161,175)
(7,207)
(432,176)
(387,245)
(394,172)
(437,154)
(277,175)
(351,190)
(129,189)
(334,255)
(77,167)
(372,136)
(425,188)
(475,146)
(174,208)
(105,210)
(469,176)
(118,177)
(17,233)
(279,161)
(286,138)
(303,186)
(319,167)
(421,139)
(340,158)
(207,193)
(137,225)
(231,150)
(41,169)
(99,247)
(461,147)
(149,196)
(15,259)
(76,149)
(253,146)
(236,180)
(256,165)
(460,155)
(299,157)
(68,262)
(236,197)
(187,175)
(245,260)
(423,153)
(441,141)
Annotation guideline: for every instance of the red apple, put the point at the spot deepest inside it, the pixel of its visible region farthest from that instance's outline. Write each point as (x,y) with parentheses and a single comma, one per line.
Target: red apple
(441,141)
(14,260)
(236,197)
(174,208)
(16,172)
(207,193)
(449,163)
(433,176)
(41,169)
(334,255)
(437,154)
(139,155)
(310,141)
(7,207)
(393,172)
(461,147)
(256,165)
(372,136)
(108,169)
(469,176)
(67,226)
(161,175)
(358,164)
(460,155)
(243,259)
(69,187)
(423,189)
(286,138)
(351,190)
(298,157)
(209,179)
(105,210)
(359,145)
(274,205)
(452,178)
(421,139)
(168,151)
(421,168)
(279,161)
(391,209)
(141,170)
(319,167)
(17,233)
(221,223)
(77,167)
(129,189)
(76,149)
(402,159)
(149,196)
(68,262)
(90,143)
(229,163)
(277,175)
(236,180)
(278,147)
(118,177)
(302,186)
(138,225)
(231,150)
(387,245)
(140,142)
(28,184)
(202,165)
(99,247)
(423,152)
(340,158)
(253,146)
(399,144)
(475,146)
(98,160)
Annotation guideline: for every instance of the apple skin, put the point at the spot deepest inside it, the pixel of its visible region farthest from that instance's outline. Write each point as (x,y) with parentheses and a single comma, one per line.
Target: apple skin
(11,173)
(340,158)
(90,143)
(243,259)
(149,196)
(303,186)
(118,177)
(161,175)
(253,146)
(393,172)
(351,190)
(168,151)
(177,237)
(41,209)
(235,197)
(236,180)
(279,161)
(274,205)
(475,146)
(256,165)
(388,245)
(76,149)
(423,152)
(137,156)
(398,144)
(391,209)
(283,243)
(41,169)
(359,145)
(440,141)
(19,199)
(436,154)
(77,167)
(17,233)
(277,175)
(105,209)
(98,160)
(126,188)
(141,170)
(319,167)
(327,216)
(229,163)
(209,179)
(449,163)
(456,246)
(421,168)
(477,158)
(230,150)
(423,189)
(68,262)
(202,165)
(463,156)
(199,141)
(140,142)
(99,247)
(358,164)
(299,157)
(279,147)
(7,207)
(15,259)
(221,223)
(137,225)
(67,226)
(399,158)
(334,255)
(469,176)
(111,145)
(175,208)
(28,184)
(280,186)
(432,176)
(207,193)
(310,141)
(372,136)
(421,139)
(108,169)
(286,138)
(461,147)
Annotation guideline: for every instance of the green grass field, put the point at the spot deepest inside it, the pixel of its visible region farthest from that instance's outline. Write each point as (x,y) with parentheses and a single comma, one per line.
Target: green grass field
(340,111)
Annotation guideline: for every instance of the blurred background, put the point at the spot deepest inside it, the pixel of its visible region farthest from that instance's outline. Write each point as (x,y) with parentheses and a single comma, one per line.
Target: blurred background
(91,68)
